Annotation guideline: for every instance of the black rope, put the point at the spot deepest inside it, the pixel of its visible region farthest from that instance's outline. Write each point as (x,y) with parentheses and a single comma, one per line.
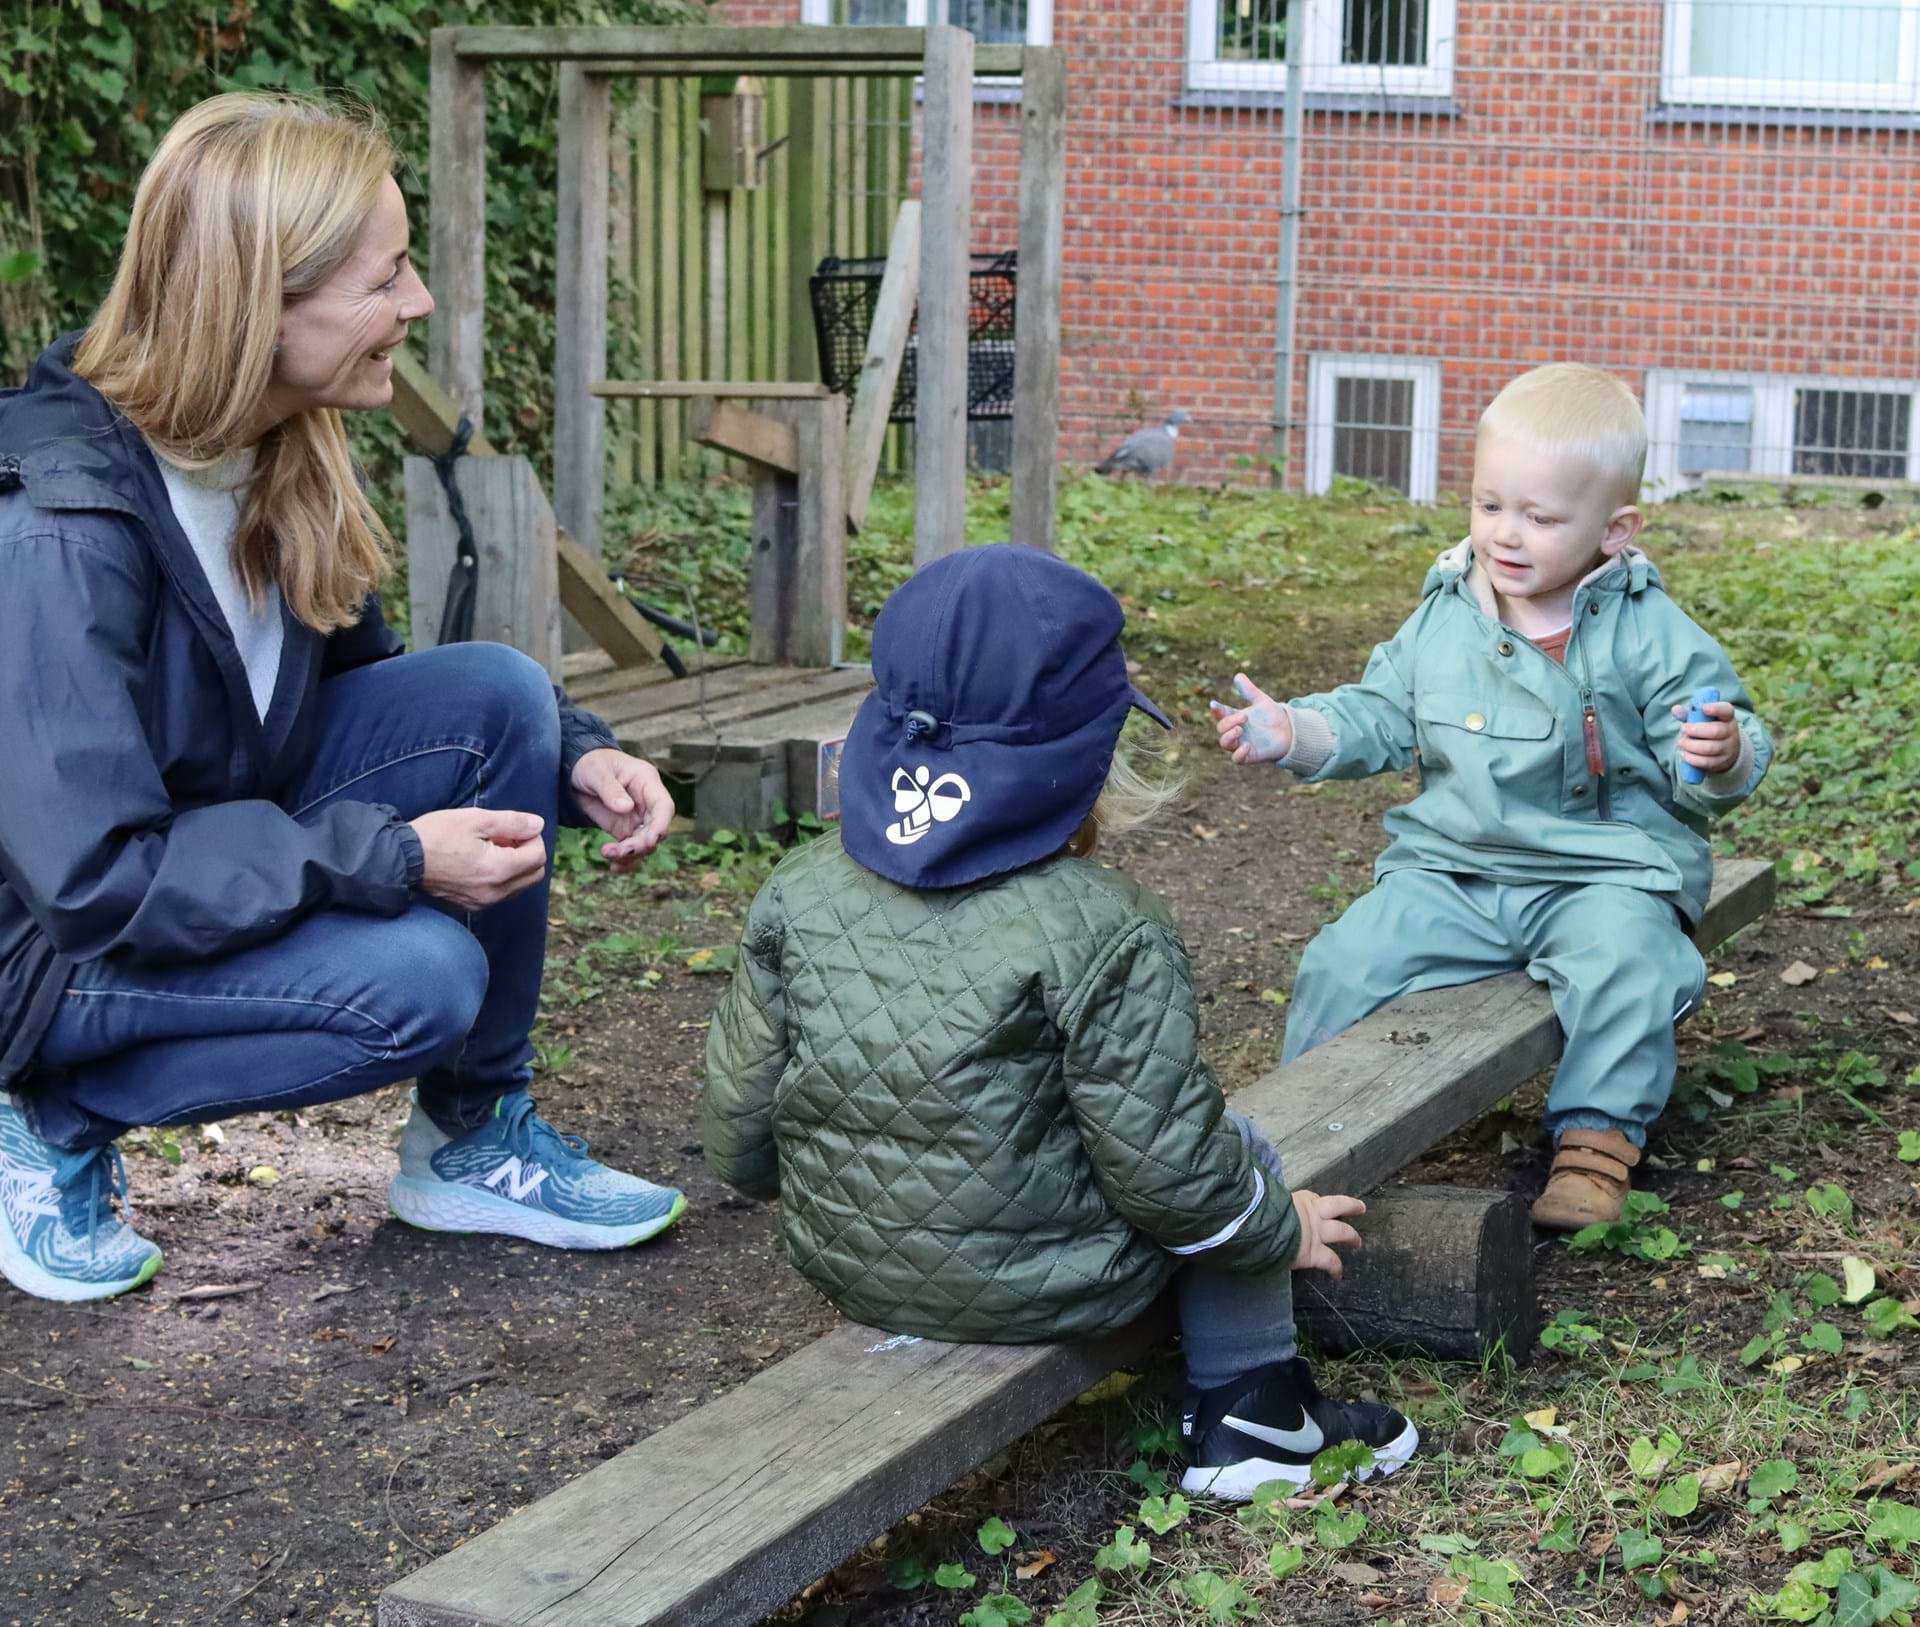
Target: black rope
(456,613)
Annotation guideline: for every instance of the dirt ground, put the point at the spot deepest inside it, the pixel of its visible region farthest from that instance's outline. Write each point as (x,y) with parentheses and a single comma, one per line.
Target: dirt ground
(313,1399)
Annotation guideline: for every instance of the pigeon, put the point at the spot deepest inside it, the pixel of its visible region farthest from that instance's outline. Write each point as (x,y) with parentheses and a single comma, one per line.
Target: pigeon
(1145,451)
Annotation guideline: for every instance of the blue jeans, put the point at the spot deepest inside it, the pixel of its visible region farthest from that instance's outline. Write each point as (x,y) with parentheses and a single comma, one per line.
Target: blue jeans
(341,1002)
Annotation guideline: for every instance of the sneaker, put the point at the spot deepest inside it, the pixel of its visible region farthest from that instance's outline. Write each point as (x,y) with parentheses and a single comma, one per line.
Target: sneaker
(1271,1423)
(59,1235)
(519,1176)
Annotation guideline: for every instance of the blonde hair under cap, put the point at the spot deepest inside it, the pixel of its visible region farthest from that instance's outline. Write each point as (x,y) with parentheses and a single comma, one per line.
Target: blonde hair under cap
(250,202)
(1568,409)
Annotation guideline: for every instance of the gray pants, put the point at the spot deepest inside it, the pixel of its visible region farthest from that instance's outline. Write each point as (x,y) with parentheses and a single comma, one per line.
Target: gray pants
(1230,1321)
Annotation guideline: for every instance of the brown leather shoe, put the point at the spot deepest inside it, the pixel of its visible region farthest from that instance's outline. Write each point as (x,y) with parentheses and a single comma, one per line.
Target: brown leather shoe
(1592,1171)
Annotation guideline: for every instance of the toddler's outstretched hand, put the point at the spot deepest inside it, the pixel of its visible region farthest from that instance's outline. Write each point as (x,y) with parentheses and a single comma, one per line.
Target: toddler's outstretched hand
(1712,746)
(1261,731)
(1323,1227)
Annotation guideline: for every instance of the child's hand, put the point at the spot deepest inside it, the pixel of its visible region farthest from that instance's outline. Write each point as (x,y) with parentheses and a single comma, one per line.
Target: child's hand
(1323,1225)
(1713,747)
(1259,732)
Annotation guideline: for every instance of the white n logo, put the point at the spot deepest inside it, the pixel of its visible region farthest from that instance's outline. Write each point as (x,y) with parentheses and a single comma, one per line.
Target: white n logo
(518,1181)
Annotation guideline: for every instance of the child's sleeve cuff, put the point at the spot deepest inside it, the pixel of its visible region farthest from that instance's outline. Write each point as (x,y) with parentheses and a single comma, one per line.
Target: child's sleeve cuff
(1313,742)
(1734,780)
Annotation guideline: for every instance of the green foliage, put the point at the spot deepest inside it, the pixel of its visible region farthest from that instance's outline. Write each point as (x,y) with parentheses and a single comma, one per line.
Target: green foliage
(1080,1608)
(1125,1553)
(995,1536)
(87,89)
(1633,1234)
(1161,1514)
(998,1610)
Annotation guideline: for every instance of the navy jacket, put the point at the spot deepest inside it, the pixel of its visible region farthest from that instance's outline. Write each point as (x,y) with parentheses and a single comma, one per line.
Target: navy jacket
(139,788)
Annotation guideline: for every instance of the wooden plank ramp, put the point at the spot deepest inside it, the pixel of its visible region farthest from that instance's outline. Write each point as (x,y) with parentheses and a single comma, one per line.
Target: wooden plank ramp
(726,1514)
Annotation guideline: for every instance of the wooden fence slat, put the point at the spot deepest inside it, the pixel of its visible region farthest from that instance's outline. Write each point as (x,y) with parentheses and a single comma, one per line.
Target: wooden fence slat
(457,224)
(693,244)
(946,192)
(809,219)
(1043,213)
(672,175)
(580,303)
(646,258)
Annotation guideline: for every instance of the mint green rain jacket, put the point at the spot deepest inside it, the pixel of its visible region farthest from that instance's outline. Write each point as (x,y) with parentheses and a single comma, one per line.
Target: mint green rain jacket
(1533,771)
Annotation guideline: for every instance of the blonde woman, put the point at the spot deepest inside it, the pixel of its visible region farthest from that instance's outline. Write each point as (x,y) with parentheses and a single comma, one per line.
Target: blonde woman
(251,855)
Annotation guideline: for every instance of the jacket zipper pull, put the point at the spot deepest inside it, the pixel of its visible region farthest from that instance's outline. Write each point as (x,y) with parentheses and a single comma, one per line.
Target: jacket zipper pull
(1596,748)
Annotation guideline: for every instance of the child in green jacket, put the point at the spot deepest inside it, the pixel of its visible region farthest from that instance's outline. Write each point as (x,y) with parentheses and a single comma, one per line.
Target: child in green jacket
(966,1059)
(1543,689)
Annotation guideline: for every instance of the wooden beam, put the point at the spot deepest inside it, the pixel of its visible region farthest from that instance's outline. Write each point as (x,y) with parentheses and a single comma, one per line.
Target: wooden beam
(816,631)
(880,372)
(946,191)
(711,389)
(427,414)
(1036,372)
(457,223)
(580,304)
(517,598)
(724,1515)
(736,50)
(755,436)
(589,595)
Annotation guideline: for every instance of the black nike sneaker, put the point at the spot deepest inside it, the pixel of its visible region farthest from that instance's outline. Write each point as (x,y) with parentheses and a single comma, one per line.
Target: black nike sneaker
(1271,1423)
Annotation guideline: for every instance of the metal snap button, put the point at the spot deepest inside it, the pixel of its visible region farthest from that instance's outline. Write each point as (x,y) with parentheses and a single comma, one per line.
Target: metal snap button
(1594,608)
(1580,790)
(1475,722)
(1506,646)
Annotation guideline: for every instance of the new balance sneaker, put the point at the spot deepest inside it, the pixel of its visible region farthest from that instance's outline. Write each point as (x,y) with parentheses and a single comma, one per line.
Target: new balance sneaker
(519,1176)
(59,1235)
(1271,1423)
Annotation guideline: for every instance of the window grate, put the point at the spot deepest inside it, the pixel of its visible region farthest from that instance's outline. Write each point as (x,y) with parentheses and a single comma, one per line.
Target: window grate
(1859,433)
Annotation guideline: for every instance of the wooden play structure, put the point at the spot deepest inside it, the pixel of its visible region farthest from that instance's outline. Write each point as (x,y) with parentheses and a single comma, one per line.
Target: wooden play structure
(723,1516)
(758,736)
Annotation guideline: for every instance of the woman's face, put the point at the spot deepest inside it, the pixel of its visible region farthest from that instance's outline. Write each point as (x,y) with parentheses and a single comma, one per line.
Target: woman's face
(336,342)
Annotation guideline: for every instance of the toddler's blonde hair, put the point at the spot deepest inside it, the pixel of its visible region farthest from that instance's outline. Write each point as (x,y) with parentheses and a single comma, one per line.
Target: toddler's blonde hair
(1571,410)
(1134,796)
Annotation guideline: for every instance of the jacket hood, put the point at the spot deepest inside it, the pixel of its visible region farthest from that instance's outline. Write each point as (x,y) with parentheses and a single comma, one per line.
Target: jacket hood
(1632,566)
(71,446)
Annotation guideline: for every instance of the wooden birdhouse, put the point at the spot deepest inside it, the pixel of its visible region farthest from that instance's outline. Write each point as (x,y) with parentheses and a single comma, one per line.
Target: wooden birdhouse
(735,132)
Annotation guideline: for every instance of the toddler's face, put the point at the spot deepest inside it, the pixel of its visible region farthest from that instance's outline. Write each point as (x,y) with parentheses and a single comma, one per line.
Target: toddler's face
(1540,522)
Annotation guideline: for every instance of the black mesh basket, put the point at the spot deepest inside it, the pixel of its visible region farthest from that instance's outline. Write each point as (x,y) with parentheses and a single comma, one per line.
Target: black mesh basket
(844,295)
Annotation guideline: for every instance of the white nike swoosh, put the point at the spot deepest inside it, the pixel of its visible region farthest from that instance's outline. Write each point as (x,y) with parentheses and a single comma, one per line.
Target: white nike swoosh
(1306,1439)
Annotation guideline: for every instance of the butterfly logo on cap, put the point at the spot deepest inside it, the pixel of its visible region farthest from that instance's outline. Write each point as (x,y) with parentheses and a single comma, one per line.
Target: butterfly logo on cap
(924,804)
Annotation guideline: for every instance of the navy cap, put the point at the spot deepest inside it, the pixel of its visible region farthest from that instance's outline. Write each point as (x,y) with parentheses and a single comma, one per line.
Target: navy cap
(1000,691)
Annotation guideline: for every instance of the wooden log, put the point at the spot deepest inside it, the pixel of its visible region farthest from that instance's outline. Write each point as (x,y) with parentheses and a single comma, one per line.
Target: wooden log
(426,413)
(457,223)
(1447,1273)
(707,390)
(867,422)
(580,304)
(517,596)
(727,1513)
(588,594)
(946,191)
(756,436)
(1036,371)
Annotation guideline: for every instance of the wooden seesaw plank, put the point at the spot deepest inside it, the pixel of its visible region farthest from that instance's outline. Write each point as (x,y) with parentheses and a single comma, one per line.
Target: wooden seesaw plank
(726,1514)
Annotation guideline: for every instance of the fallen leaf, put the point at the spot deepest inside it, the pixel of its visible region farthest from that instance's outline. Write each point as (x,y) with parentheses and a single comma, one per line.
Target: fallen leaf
(227,1290)
(1680,1613)
(263,1175)
(380,1346)
(1359,1575)
(213,1135)
(1601,1542)
(138,1365)
(1882,1474)
(1876,963)
(1721,1477)
(1375,1601)
(1724,980)
(1544,1418)
(1446,1592)
(334,1289)
(1786,1365)
(1905,1019)
(1799,972)
(1204,833)
(1713,1273)
(1036,1563)
(1860,1279)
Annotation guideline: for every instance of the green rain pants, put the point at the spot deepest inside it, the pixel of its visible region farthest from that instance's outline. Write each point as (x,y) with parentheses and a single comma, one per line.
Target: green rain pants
(1617,960)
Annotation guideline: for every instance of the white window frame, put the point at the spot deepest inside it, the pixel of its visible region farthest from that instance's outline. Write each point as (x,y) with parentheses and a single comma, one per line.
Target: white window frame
(1323,69)
(1681,86)
(1039,17)
(1423,469)
(1772,450)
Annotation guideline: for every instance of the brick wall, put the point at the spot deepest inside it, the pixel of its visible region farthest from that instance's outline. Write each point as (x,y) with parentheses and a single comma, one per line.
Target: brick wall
(1550,212)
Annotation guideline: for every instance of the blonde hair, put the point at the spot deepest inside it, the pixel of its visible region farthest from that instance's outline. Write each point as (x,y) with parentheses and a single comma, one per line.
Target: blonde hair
(1570,410)
(1132,798)
(250,202)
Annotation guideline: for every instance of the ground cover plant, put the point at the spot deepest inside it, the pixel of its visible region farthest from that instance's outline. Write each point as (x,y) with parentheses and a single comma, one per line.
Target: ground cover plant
(1719,1426)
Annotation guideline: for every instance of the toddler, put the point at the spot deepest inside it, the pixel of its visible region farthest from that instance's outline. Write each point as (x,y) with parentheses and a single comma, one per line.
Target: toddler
(1542,689)
(966,1059)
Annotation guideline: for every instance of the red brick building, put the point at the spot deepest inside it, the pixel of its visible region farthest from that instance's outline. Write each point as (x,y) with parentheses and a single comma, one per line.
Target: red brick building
(1715,198)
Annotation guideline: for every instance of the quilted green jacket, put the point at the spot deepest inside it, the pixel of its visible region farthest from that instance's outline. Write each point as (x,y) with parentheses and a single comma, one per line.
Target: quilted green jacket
(983,1109)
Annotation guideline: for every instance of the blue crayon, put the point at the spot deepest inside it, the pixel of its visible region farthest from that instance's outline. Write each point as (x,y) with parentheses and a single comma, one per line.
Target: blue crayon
(1697,714)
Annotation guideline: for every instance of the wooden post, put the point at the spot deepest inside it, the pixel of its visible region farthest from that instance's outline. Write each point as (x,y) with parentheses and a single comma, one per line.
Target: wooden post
(946,190)
(1036,343)
(797,583)
(517,595)
(880,371)
(807,214)
(580,303)
(1447,1272)
(457,227)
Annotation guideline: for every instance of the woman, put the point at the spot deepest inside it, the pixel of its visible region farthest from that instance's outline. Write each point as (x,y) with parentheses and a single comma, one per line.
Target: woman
(251,855)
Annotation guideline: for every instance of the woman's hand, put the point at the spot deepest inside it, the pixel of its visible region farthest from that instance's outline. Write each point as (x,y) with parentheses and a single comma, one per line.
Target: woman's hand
(624,797)
(1323,1227)
(479,856)
(1713,747)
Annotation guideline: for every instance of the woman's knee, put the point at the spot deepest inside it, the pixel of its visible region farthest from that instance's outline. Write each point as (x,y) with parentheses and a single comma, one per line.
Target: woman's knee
(433,979)
(510,693)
